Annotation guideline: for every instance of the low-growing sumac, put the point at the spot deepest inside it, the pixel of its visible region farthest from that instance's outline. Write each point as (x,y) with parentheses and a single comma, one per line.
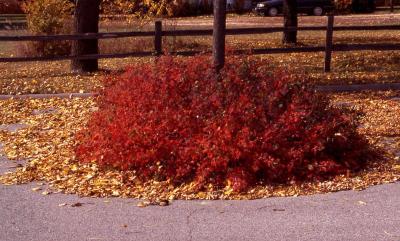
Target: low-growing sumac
(177,119)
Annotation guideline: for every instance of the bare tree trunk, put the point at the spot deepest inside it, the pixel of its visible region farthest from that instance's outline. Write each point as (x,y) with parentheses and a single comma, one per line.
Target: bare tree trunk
(219,31)
(289,20)
(86,20)
(391,6)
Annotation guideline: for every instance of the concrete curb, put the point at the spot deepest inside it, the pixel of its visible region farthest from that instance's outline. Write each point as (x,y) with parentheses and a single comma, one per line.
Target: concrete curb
(321,88)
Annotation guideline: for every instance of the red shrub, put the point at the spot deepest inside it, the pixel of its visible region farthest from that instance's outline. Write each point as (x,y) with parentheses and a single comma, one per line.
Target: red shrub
(175,119)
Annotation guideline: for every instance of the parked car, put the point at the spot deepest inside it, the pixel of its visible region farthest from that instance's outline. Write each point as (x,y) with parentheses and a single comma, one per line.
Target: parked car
(312,7)
(363,6)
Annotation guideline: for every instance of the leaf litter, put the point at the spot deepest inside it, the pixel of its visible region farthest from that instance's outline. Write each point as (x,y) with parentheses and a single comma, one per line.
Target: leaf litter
(48,143)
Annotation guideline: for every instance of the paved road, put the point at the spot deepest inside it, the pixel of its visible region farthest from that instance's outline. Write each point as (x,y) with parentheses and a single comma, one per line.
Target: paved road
(373,214)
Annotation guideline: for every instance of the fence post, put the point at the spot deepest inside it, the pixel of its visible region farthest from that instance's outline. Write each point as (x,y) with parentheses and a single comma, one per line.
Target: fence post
(329,43)
(158,38)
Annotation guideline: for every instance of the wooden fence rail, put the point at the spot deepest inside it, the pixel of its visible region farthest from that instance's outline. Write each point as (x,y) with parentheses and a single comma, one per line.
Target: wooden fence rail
(158,33)
(204,32)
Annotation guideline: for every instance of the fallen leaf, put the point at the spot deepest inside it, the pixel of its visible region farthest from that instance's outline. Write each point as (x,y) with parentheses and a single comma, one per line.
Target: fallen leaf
(116,193)
(143,204)
(362,203)
(78,204)
(163,203)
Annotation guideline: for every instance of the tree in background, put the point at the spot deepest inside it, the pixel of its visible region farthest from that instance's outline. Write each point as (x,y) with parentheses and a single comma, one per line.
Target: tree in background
(289,20)
(219,31)
(145,8)
(86,20)
(47,17)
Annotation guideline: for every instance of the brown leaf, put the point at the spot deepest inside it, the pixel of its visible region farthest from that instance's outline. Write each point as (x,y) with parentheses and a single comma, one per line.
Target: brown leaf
(78,204)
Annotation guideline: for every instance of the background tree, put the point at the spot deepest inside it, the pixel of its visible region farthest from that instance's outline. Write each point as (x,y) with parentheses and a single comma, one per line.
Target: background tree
(146,8)
(86,20)
(47,17)
(289,20)
(219,31)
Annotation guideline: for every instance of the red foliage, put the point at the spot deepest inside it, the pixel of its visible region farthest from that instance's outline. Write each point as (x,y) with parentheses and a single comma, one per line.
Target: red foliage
(177,120)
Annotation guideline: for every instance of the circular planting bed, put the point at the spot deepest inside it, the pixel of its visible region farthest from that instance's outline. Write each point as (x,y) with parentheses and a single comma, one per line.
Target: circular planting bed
(175,129)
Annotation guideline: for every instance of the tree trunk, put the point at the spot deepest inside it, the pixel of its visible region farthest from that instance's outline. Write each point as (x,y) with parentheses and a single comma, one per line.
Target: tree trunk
(219,31)
(86,20)
(289,20)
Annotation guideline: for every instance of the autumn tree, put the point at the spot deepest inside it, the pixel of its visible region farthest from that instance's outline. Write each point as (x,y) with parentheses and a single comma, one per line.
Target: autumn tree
(86,20)
(290,21)
(145,8)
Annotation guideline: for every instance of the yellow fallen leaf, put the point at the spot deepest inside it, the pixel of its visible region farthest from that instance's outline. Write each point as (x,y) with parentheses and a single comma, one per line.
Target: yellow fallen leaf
(228,191)
(74,168)
(143,204)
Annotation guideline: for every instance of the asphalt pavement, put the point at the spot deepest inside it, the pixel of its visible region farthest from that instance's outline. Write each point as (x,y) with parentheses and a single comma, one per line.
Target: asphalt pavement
(26,215)
(372,214)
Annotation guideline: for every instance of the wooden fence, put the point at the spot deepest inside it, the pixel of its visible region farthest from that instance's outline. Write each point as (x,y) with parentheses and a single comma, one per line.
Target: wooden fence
(12,21)
(158,33)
